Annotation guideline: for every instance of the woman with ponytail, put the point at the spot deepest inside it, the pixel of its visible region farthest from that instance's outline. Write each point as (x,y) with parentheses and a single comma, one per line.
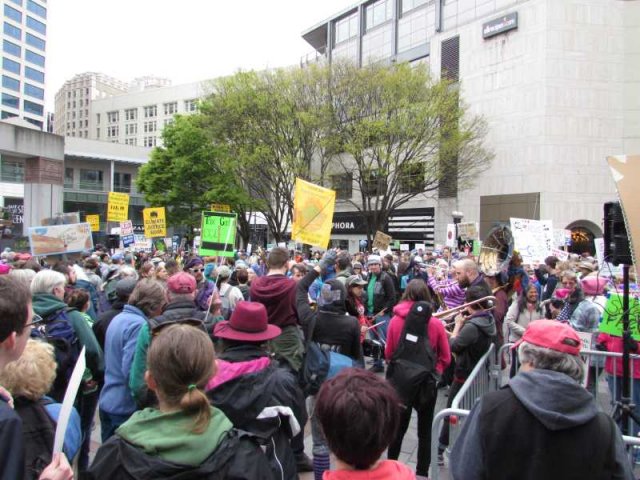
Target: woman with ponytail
(185,436)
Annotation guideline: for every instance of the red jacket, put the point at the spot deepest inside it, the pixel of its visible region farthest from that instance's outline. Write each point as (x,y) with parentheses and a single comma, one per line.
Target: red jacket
(613,366)
(435,330)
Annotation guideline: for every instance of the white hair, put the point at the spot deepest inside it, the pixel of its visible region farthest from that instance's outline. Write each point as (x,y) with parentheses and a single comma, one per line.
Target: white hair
(547,359)
(46,280)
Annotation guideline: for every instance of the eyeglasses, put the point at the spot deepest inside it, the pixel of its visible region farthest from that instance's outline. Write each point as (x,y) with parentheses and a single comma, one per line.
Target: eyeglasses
(35,321)
(196,270)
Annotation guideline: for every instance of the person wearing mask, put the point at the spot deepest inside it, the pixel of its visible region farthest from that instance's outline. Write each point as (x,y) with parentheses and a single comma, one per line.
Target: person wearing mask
(380,298)
(184,436)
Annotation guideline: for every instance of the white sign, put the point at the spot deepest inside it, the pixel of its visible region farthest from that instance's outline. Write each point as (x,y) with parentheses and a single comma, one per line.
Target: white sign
(67,403)
(142,243)
(404,247)
(533,239)
(561,237)
(420,246)
(468,231)
(126,228)
(451,235)
(560,254)
(599,244)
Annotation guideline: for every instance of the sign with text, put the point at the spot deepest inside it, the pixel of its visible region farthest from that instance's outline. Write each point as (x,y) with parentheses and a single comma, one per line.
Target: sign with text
(126,233)
(381,241)
(559,254)
(533,239)
(155,222)
(142,243)
(468,231)
(59,239)
(117,207)
(94,222)
(500,25)
(220,207)
(312,214)
(218,234)
(561,237)
(612,316)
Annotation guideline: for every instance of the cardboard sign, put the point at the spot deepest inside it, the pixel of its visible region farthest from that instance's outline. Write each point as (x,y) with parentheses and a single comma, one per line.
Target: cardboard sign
(126,233)
(468,231)
(312,214)
(155,222)
(218,234)
(220,207)
(612,317)
(599,244)
(67,403)
(117,207)
(533,239)
(381,241)
(59,239)
(94,222)
(142,243)
(560,254)
(477,246)
(451,235)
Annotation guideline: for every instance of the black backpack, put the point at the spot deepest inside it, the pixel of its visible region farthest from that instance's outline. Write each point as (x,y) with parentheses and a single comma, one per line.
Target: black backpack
(412,369)
(58,332)
(38,430)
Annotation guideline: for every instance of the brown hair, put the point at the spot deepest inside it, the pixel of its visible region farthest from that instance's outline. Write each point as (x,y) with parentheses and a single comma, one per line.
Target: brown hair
(14,302)
(145,269)
(181,361)
(77,298)
(148,295)
(242,276)
(278,257)
(417,291)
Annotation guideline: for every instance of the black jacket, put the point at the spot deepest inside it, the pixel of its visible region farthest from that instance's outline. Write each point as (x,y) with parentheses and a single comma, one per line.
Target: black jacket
(384,295)
(104,319)
(238,457)
(472,342)
(243,398)
(176,311)
(338,331)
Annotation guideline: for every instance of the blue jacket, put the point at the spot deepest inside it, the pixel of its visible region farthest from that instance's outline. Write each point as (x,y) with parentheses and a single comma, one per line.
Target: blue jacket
(119,349)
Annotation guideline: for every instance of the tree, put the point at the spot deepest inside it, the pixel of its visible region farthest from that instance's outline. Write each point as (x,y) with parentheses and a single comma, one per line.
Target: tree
(189,173)
(406,136)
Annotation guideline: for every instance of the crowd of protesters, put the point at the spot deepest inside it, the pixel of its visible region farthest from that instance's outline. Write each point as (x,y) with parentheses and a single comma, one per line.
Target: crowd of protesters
(194,365)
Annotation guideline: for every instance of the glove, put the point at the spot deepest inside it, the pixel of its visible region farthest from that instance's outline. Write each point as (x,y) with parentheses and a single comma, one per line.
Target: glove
(328,259)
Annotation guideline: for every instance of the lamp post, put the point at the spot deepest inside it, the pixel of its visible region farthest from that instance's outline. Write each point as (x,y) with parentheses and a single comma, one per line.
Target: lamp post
(457,218)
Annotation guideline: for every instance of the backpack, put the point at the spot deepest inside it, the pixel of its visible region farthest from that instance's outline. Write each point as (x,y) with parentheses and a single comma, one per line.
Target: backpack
(58,332)
(38,431)
(412,368)
(225,307)
(320,364)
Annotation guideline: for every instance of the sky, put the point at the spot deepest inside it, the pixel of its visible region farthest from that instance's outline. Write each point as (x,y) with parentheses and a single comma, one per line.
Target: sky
(183,40)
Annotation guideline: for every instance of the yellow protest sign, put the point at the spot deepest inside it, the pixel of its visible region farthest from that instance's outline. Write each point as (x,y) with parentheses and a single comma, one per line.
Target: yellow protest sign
(118,207)
(312,214)
(155,222)
(220,207)
(94,222)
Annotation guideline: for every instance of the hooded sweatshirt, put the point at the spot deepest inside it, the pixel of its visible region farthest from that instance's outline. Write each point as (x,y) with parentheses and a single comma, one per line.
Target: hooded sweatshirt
(471,343)
(278,294)
(385,470)
(558,416)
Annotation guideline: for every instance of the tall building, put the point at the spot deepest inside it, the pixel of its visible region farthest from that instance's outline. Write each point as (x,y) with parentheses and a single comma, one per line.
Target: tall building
(556,81)
(24,41)
(73,101)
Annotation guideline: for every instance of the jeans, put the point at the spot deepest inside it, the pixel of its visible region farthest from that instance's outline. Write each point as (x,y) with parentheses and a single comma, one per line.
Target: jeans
(615,388)
(425,418)
(109,423)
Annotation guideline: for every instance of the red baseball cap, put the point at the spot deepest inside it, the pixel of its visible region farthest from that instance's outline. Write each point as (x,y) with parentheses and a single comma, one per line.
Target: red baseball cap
(181,282)
(553,335)
(248,322)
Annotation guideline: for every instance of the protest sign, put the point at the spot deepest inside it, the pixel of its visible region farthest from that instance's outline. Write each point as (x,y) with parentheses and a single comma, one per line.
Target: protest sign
(94,222)
(218,234)
(404,247)
(451,235)
(381,241)
(599,244)
(312,214)
(59,239)
(477,246)
(67,403)
(468,231)
(612,317)
(155,222)
(220,207)
(533,239)
(559,254)
(561,237)
(126,233)
(142,243)
(117,207)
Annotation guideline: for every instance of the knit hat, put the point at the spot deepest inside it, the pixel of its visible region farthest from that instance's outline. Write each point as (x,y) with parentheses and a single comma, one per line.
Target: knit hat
(224,272)
(374,260)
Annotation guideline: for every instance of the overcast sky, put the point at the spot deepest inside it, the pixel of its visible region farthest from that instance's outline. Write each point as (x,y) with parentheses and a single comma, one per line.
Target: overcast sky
(184,40)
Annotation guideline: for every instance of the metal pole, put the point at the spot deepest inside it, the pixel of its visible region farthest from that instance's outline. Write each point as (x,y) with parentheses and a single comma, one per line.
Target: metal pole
(626,344)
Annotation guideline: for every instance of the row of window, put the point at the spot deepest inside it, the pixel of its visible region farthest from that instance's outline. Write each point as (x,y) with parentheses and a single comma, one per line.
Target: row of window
(14,67)
(150,111)
(38,123)
(76,91)
(15,50)
(411,181)
(80,103)
(31,90)
(71,125)
(94,180)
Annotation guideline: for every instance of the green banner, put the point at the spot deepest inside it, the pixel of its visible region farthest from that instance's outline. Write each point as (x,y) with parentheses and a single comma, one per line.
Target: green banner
(477,246)
(218,235)
(612,317)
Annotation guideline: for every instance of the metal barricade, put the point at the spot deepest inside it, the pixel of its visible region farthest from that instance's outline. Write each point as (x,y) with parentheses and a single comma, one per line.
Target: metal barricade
(480,381)
(438,420)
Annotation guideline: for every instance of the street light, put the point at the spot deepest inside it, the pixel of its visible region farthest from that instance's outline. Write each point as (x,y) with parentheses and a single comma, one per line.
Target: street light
(457,218)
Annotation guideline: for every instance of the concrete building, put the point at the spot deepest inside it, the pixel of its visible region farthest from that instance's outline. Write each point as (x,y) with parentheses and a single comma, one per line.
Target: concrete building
(24,41)
(137,118)
(73,101)
(557,81)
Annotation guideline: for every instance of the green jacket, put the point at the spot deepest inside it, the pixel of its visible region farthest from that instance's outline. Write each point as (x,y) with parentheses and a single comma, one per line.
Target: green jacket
(169,435)
(137,384)
(45,304)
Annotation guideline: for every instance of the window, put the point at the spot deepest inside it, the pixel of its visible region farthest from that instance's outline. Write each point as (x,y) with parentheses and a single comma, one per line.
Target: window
(190,105)
(378,13)
(151,111)
(412,178)
(149,127)
(34,91)
(11,48)
(8,115)
(36,25)
(17,2)
(10,101)
(131,129)
(91,179)
(113,131)
(33,74)
(97,118)
(122,182)
(12,171)
(12,31)
(149,141)
(112,117)
(343,185)
(35,41)
(411,4)
(37,9)
(12,13)
(131,141)
(131,114)
(11,66)
(34,58)
(346,28)
(10,83)
(373,182)
(170,108)
(98,132)
(450,59)
(68,177)
(168,121)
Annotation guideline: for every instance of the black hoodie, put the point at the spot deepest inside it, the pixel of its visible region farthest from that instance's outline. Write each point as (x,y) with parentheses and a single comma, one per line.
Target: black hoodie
(472,342)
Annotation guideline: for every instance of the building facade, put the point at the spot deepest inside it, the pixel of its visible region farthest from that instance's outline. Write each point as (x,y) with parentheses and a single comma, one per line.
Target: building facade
(557,82)
(24,42)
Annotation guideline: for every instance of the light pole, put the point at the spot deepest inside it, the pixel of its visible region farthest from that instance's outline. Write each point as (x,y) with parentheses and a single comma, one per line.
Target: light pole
(457,218)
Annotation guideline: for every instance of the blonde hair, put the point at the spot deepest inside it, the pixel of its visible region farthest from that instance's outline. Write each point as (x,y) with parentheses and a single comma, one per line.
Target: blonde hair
(32,375)
(181,361)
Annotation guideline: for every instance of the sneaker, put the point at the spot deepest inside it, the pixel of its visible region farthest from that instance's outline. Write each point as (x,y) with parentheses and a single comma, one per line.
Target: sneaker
(304,463)
(377,369)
